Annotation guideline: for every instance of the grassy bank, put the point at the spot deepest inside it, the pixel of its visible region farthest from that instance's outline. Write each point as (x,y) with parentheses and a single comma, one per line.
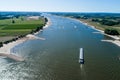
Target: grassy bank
(99,26)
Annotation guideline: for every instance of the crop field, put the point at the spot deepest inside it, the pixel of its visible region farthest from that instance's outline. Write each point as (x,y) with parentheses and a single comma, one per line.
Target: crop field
(20,26)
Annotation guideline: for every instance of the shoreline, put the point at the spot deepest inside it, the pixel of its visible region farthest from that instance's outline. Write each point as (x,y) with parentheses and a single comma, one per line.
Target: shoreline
(6,49)
(116,40)
(48,23)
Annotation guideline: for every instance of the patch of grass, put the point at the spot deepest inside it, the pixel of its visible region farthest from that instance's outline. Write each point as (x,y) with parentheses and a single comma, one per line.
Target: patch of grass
(20,26)
(5,22)
(13,32)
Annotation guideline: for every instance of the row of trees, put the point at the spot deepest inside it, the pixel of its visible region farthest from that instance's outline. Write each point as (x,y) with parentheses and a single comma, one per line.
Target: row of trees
(40,27)
(106,22)
(111,31)
(36,30)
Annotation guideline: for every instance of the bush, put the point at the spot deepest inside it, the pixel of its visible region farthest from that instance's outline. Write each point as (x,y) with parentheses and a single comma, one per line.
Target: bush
(95,20)
(6,42)
(112,32)
(1,44)
(13,21)
(46,20)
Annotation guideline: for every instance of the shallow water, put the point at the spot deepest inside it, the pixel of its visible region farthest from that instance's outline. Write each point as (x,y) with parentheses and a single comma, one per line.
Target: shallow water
(56,58)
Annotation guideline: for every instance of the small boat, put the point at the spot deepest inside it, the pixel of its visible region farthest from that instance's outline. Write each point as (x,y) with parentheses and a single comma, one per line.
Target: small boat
(81,56)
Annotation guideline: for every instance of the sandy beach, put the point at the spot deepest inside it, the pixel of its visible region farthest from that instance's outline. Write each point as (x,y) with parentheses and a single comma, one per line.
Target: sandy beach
(113,41)
(6,49)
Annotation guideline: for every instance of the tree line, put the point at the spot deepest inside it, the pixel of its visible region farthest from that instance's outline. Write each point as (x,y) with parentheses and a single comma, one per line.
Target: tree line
(106,21)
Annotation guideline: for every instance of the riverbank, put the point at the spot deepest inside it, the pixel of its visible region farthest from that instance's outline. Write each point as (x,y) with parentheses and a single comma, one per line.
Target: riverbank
(6,49)
(116,40)
(48,23)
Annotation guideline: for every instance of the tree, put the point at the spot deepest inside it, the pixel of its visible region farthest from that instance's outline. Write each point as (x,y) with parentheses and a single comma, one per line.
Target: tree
(46,20)
(13,21)
(1,44)
(112,31)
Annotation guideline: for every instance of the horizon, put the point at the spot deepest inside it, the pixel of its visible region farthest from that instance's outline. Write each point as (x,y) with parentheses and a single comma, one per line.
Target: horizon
(62,12)
(86,6)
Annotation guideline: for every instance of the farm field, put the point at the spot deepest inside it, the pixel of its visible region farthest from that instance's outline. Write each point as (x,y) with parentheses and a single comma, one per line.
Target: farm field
(19,26)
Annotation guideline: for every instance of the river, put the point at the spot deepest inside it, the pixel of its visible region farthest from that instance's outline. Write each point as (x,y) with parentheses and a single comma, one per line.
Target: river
(56,58)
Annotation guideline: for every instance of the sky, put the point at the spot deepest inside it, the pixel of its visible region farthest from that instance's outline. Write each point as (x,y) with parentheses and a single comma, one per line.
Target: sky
(61,5)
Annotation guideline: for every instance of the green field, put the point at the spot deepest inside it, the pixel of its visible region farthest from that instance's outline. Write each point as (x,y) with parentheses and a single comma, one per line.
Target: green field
(20,27)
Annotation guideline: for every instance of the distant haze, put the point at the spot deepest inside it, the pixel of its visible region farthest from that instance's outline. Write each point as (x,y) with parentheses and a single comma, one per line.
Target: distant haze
(61,5)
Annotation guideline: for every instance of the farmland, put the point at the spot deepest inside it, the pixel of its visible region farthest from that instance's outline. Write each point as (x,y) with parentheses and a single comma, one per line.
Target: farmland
(19,26)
